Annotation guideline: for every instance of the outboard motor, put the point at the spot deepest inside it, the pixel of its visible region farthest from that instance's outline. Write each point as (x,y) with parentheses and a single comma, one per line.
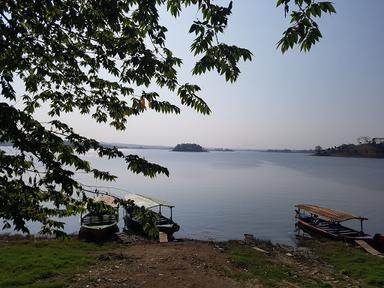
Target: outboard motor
(378,237)
(378,241)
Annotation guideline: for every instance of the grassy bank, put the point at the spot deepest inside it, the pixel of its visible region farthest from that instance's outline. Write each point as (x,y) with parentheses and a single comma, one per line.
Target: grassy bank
(73,263)
(271,271)
(351,262)
(43,263)
(315,264)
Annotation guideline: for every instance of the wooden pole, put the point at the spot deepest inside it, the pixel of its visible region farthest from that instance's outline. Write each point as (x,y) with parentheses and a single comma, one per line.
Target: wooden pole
(361,225)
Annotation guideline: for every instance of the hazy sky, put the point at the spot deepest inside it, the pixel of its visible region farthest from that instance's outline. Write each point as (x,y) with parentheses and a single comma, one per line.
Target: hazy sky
(326,97)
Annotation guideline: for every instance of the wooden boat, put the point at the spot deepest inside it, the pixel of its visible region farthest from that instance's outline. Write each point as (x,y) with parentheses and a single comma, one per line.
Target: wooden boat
(164,224)
(100,227)
(326,222)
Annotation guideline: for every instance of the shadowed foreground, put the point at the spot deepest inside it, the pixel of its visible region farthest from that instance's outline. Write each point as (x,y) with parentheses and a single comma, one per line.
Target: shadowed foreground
(72,263)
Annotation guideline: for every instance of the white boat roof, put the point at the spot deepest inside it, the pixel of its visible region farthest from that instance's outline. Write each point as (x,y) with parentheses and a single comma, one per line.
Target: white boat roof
(147,202)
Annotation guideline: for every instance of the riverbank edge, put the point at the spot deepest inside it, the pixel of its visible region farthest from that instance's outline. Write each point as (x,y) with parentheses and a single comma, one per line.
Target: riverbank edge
(251,262)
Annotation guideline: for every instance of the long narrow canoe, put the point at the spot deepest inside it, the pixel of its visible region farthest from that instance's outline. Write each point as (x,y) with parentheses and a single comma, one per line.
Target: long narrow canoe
(326,222)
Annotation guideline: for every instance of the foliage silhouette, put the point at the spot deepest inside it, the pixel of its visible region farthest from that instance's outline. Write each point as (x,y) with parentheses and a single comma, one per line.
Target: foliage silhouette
(99,57)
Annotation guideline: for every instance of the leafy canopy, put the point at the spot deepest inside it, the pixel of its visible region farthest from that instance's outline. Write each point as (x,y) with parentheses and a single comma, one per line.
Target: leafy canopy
(304,30)
(99,57)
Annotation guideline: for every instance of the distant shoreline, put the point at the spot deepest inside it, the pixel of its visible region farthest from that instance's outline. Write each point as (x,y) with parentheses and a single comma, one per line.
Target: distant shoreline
(366,150)
(169,148)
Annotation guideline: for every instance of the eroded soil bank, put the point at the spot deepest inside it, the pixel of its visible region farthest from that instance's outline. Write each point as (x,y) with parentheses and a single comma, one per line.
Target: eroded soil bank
(28,262)
(208,264)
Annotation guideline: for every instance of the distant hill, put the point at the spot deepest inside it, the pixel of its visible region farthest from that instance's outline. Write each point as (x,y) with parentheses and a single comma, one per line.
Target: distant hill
(189,147)
(289,151)
(366,150)
(117,145)
(135,146)
(220,149)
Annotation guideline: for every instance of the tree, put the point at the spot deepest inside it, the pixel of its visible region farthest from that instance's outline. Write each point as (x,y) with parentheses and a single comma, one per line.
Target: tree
(99,57)
(364,140)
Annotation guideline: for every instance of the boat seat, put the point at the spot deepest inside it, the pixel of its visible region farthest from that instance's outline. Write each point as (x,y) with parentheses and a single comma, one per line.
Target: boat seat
(163,222)
(337,232)
(349,233)
(98,219)
(323,224)
(345,231)
(165,226)
(337,229)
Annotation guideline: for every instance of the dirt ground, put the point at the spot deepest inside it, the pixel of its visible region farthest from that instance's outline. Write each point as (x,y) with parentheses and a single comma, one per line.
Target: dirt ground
(177,264)
(195,264)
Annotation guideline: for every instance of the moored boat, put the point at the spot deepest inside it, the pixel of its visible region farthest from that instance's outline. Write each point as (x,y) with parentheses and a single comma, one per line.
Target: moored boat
(164,224)
(97,226)
(327,222)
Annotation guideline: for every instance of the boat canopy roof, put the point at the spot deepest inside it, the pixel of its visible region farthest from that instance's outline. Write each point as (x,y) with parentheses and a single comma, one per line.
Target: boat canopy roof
(147,202)
(109,200)
(330,214)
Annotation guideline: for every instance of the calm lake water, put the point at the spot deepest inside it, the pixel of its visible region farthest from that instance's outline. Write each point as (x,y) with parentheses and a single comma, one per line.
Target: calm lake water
(222,195)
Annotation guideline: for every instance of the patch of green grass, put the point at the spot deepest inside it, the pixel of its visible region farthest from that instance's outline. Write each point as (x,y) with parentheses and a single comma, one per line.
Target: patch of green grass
(43,263)
(253,264)
(352,262)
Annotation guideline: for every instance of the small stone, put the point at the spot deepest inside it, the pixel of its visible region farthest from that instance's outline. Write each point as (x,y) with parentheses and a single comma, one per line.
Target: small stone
(314,272)
(259,249)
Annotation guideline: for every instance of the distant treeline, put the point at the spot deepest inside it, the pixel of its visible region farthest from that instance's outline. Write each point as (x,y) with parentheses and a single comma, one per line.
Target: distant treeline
(221,149)
(367,150)
(290,150)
